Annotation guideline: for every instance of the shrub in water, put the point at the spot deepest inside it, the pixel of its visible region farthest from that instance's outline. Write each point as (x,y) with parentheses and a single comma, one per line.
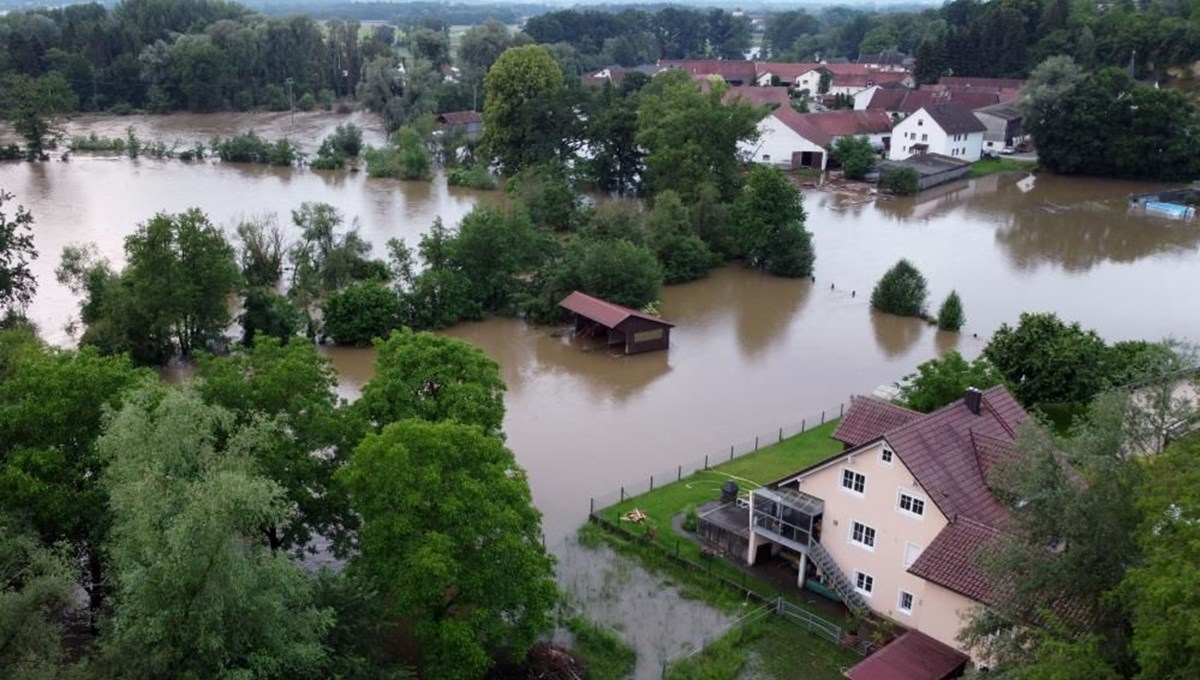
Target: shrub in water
(901,291)
(903,181)
(950,316)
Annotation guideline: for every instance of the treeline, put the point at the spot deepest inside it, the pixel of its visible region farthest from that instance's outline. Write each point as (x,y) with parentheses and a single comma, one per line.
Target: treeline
(636,36)
(1000,38)
(199,55)
(435,15)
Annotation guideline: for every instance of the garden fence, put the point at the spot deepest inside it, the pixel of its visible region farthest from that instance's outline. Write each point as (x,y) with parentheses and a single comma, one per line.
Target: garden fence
(717,457)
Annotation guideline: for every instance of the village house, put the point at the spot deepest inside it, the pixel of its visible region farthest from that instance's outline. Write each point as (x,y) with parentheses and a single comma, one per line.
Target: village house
(892,524)
(469,123)
(802,140)
(901,103)
(732,71)
(950,129)
(1003,123)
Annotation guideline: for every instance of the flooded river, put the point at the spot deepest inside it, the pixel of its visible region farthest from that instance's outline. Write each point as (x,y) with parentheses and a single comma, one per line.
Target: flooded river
(750,353)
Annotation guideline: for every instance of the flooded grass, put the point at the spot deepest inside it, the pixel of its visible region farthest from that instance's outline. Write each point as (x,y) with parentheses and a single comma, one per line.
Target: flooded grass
(770,649)
(607,656)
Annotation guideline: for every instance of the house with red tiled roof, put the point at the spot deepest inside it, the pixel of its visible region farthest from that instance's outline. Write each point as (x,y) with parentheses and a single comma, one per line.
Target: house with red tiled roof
(732,71)
(901,103)
(790,139)
(893,523)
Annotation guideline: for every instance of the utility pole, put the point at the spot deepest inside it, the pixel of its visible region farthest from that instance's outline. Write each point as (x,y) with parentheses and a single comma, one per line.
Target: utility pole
(291,101)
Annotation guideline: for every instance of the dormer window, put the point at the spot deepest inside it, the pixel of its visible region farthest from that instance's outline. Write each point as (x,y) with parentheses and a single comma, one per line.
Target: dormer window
(885,456)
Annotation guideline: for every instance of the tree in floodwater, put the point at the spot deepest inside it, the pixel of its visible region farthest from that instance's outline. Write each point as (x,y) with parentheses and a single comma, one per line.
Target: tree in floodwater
(33,107)
(901,291)
(768,218)
(451,539)
(17,283)
(196,591)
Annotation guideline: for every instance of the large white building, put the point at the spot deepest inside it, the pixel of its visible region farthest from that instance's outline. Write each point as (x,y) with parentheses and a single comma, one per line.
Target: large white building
(950,129)
(802,140)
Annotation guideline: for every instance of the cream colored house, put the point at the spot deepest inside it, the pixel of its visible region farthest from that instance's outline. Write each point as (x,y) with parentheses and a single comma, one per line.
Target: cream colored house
(892,523)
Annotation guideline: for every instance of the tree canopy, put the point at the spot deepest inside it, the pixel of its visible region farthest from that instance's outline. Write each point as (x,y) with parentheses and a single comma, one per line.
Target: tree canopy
(902,291)
(451,536)
(522,121)
(768,218)
(17,283)
(938,382)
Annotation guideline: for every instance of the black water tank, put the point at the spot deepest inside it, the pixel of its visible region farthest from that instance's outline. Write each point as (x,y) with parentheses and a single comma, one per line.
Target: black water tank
(729,492)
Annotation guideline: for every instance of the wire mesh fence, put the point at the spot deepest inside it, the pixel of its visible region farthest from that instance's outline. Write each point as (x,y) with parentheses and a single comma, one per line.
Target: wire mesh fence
(717,457)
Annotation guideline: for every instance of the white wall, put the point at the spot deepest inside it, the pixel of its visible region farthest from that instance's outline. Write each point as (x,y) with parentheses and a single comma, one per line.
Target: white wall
(864,97)
(919,128)
(809,80)
(776,144)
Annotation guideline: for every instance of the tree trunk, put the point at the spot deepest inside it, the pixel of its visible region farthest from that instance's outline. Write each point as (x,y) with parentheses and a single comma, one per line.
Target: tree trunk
(96,588)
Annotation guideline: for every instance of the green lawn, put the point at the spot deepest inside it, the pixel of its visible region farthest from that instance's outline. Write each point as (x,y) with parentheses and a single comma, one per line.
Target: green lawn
(607,656)
(771,648)
(991,166)
(666,502)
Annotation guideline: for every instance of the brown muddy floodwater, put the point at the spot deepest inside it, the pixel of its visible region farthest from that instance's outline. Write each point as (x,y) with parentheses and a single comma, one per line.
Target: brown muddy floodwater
(750,352)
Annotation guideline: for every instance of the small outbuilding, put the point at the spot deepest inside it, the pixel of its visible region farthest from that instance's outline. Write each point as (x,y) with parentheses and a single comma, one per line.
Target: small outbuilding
(619,326)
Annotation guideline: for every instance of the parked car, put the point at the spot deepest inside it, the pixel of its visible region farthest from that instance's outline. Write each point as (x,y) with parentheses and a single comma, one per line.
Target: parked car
(1008,151)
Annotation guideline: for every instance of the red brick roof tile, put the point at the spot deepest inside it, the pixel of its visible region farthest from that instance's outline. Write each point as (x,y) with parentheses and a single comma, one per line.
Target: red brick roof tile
(869,418)
(951,559)
(603,311)
(912,656)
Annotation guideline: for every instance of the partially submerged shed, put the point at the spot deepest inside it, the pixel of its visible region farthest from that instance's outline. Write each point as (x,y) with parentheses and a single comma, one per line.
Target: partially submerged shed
(620,326)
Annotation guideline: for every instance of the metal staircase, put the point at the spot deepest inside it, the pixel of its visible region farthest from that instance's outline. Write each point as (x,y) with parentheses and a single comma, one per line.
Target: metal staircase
(833,574)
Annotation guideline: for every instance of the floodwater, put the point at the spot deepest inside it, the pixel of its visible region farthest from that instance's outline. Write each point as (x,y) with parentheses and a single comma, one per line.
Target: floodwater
(750,353)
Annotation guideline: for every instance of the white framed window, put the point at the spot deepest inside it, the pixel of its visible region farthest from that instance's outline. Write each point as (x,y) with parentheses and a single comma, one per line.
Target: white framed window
(862,535)
(911,552)
(911,503)
(905,603)
(854,482)
(924,137)
(864,583)
(885,456)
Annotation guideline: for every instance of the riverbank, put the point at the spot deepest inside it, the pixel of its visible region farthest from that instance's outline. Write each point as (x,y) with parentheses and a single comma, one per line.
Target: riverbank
(992,166)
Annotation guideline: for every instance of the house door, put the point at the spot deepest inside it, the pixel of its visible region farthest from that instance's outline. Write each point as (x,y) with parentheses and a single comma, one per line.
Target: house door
(807,159)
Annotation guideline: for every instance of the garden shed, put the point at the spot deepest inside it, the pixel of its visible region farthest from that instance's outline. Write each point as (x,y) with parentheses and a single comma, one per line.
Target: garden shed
(622,327)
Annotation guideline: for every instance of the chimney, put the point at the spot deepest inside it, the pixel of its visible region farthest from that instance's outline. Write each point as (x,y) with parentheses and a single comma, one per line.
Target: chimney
(973,399)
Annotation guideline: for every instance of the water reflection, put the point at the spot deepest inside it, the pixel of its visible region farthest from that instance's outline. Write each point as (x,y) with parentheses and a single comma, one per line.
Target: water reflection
(610,377)
(768,306)
(895,335)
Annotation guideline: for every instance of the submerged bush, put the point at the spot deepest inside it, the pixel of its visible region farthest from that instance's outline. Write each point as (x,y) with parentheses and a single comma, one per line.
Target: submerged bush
(950,316)
(244,148)
(903,181)
(473,177)
(901,291)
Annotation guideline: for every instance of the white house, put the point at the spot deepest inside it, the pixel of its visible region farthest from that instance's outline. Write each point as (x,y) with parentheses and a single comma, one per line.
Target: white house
(1003,123)
(950,129)
(802,140)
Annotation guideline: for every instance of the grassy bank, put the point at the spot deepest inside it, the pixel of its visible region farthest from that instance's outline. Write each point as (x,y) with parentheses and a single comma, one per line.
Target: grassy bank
(657,538)
(991,166)
(770,648)
(606,655)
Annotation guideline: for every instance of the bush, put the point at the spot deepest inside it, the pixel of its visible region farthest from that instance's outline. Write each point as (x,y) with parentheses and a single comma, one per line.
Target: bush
(244,148)
(856,156)
(346,140)
(901,181)
(11,152)
(196,153)
(94,143)
(901,291)
(277,99)
(950,315)
(307,103)
(326,98)
(282,153)
(620,272)
(473,177)
(361,312)
(269,313)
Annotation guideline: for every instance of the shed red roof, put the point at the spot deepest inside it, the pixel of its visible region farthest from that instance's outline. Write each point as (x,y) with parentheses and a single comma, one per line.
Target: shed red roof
(460,117)
(909,101)
(912,656)
(867,79)
(603,312)
(759,96)
(787,72)
(950,560)
(870,417)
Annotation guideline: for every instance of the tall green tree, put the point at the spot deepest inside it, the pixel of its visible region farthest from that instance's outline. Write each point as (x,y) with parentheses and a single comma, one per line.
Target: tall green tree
(1048,361)
(616,163)
(855,154)
(197,593)
(691,136)
(52,404)
(523,117)
(35,586)
(669,232)
(33,107)
(950,315)
(451,538)
(768,219)
(433,378)
(296,385)
(17,283)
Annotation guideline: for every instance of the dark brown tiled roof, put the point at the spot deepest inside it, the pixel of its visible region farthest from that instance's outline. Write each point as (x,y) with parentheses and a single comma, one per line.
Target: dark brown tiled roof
(954,118)
(950,560)
(732,69)
(912,656)
(787,72)
(909,101)
(867,79)
(759,96)
(604,312)
(991,451)
(940,451)
(460,117)
(869,418)
(993,84)
(822,128)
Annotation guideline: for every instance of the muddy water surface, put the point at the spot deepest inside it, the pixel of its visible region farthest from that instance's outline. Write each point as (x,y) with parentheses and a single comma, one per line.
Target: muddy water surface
(750,352)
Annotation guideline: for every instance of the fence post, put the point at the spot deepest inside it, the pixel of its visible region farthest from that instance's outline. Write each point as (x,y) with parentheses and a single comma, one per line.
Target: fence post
(841,409)
(822,417)
(592,506)
(781,434)
(622,494)
(652,482)
(803,425)
(706,461)
(731,452)
(755,442)
(679,473)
